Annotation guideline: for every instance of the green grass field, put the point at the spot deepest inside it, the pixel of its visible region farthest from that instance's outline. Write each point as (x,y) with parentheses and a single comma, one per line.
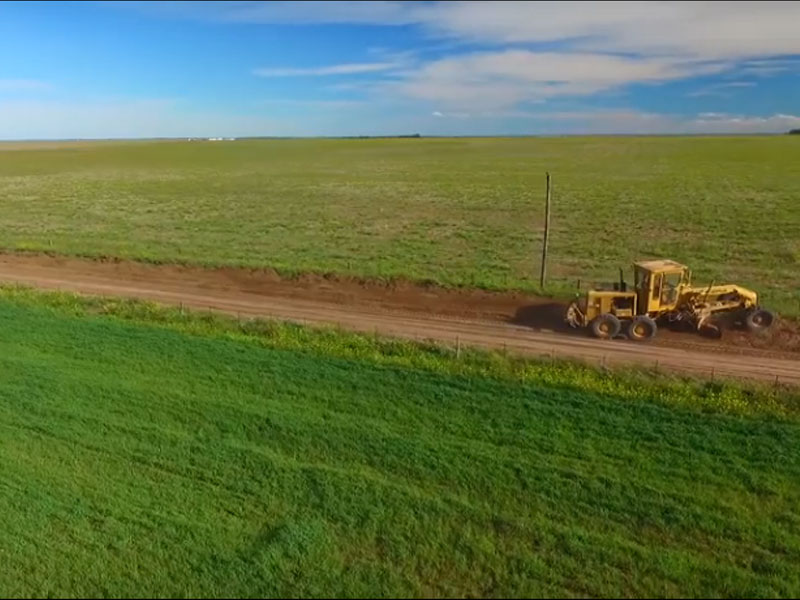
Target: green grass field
(151,454)
(457,211)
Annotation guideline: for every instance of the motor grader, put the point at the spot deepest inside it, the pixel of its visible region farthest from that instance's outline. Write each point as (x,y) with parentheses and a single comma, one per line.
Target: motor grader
(663,294)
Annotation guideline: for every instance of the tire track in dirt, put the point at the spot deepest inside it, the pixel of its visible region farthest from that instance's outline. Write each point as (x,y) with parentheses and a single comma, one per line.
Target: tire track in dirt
(470,318)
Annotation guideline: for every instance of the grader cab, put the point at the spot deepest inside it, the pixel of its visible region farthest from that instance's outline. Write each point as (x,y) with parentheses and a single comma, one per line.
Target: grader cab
(662,293)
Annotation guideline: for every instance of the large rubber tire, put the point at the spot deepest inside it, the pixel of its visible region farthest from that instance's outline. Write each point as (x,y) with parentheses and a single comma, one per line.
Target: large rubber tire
(605,326)
(642,329)
(759,320)
(711,329)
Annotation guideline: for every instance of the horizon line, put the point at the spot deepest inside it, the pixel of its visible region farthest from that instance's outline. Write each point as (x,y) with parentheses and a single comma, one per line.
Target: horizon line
(388,136)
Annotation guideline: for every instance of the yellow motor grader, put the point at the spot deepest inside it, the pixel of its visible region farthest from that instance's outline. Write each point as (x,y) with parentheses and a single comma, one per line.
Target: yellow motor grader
(663,294)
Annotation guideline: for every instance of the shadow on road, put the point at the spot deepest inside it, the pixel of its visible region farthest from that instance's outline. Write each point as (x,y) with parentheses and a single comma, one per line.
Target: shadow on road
(549,316)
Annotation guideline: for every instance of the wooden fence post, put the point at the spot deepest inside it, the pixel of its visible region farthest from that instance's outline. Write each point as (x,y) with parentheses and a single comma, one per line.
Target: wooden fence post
(543,274)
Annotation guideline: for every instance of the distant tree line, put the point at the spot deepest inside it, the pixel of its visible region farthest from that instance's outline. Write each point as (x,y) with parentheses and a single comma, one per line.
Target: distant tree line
(794,132)
(378,137)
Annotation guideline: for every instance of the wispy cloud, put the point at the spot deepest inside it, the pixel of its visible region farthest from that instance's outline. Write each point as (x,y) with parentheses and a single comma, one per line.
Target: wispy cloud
(636,122)
(602,46)
(344,69)
(279,12)
(23,85)
(769,67)
(451,115)
(491,64)
(698,30)
(163,117)
(726,123)
(501,80)
(721,89)
(337,104)
(632,121)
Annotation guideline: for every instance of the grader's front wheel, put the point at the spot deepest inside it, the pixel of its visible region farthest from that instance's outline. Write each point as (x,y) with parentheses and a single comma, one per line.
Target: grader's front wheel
(711,328)
(605,326)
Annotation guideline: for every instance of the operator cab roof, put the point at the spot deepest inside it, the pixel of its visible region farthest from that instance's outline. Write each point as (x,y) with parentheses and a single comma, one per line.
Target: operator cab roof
(659,265)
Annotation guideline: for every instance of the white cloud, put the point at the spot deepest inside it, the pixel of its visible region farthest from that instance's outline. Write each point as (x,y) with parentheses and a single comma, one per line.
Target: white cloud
(452,115)
(344,69)
(699,30)
(629,121)
(636,122)
(724,123)
(769,67)
(498,80)
(594,46)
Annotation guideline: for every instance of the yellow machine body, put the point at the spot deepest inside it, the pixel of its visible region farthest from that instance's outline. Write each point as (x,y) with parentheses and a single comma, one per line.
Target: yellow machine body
(662,289)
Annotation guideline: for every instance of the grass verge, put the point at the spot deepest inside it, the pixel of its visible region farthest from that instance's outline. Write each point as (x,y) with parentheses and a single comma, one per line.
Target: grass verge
(734,397)
(155,453)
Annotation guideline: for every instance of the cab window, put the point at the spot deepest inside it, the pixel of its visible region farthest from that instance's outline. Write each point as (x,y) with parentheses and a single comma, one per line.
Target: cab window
(669,293)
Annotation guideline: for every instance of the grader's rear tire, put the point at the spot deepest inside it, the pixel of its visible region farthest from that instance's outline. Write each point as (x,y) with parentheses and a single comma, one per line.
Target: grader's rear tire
(759,320)
(605,326)
(642,329)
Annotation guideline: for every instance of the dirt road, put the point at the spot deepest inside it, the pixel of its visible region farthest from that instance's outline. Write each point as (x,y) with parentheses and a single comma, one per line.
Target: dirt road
(519,323)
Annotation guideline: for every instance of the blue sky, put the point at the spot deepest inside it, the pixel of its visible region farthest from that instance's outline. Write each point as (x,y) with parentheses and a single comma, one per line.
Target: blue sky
(143,69)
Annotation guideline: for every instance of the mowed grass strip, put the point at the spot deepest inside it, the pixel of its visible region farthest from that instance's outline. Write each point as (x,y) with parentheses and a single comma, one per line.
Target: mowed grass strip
(139,460)
(462,212)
